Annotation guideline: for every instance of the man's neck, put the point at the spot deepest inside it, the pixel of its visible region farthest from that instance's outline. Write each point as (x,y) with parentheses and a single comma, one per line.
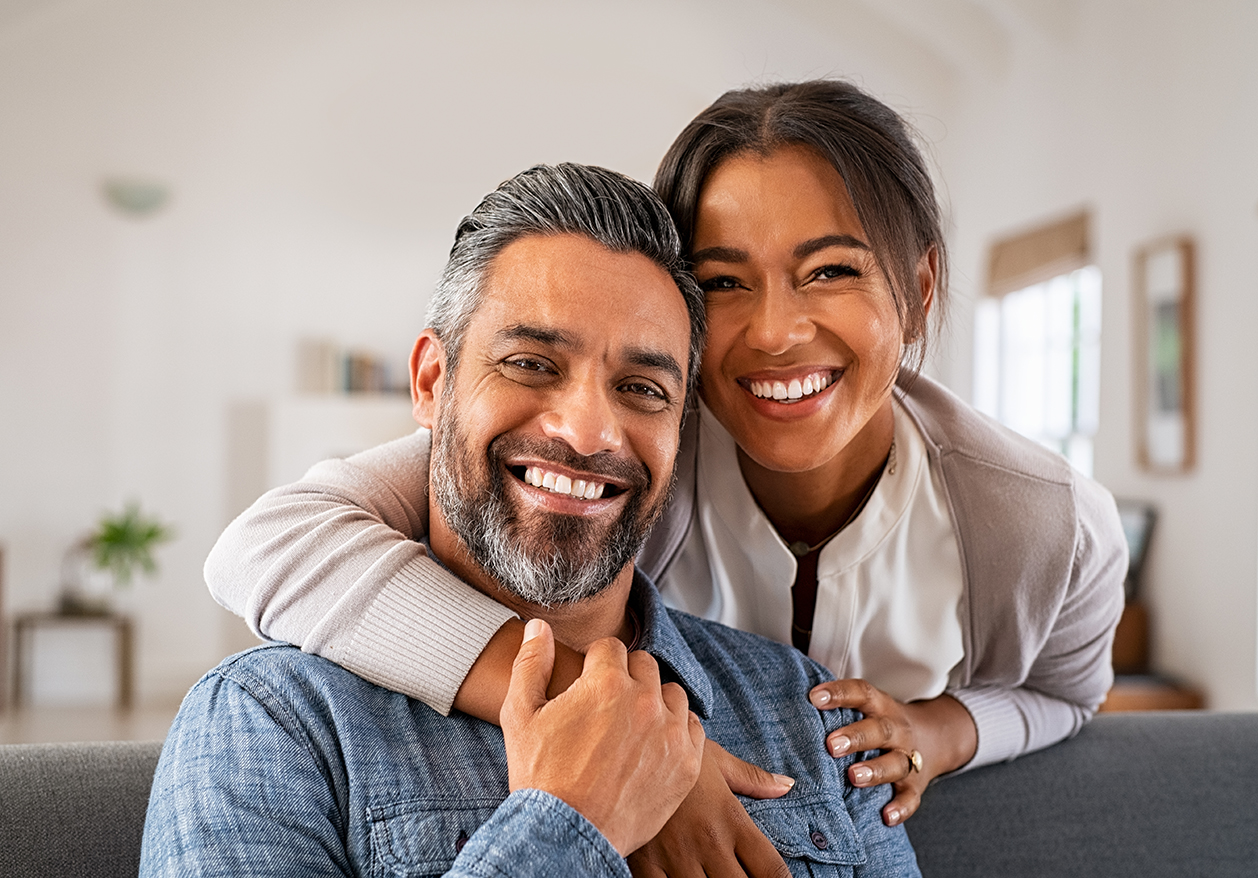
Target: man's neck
(576,625)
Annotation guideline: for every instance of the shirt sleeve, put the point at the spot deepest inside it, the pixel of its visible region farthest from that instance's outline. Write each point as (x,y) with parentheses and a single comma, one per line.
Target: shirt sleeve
(1071,674)
(332,564)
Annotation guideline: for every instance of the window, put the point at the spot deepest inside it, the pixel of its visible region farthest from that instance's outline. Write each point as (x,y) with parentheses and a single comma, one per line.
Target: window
(1037,337)
(1037,362)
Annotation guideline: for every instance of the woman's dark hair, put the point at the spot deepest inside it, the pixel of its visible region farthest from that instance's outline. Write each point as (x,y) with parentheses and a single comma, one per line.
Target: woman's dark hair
(862,138)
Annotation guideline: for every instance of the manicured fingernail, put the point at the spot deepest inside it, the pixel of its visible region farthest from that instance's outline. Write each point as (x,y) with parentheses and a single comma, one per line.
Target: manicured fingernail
(784,780)
(893,816)
(839,745)
(861,774)
(532,629)
(820,698)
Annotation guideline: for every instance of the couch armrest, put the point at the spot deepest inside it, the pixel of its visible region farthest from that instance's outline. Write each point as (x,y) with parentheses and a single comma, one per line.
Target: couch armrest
(74,809)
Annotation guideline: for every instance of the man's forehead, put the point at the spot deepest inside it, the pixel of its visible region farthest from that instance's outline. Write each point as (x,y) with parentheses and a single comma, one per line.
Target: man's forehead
(570,292)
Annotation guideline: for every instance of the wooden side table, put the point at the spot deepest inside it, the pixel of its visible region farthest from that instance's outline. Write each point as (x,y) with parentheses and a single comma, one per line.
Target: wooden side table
(25,625)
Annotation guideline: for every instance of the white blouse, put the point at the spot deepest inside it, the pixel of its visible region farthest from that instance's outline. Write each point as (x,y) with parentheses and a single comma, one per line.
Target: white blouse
(888,585)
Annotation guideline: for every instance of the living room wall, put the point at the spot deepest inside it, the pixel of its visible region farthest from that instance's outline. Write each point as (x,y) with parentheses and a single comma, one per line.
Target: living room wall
(319,153)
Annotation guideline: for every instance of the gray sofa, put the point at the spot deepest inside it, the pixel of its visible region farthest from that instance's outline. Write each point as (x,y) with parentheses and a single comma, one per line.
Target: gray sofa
(1147,795)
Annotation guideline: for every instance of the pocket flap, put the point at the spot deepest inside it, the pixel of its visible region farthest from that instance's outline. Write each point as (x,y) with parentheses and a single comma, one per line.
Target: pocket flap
(424,838)
(810,826)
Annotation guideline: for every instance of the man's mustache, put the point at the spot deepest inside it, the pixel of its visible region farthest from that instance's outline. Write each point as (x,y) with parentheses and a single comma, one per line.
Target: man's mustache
(631,474)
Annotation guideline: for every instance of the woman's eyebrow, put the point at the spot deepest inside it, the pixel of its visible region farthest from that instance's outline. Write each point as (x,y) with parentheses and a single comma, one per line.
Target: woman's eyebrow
(812,246)
(718,254)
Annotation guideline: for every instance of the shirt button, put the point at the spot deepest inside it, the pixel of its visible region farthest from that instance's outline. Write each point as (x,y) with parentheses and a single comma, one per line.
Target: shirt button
(819,840)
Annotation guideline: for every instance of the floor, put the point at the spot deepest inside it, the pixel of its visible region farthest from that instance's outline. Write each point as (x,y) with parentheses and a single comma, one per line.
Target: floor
(31,725)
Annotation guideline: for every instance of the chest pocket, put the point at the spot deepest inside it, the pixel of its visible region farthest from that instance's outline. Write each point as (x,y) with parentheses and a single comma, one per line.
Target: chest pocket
(415,839)
(812,831)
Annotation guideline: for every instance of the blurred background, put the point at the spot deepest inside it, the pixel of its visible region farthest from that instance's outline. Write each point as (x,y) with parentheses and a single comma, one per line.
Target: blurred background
(220,222)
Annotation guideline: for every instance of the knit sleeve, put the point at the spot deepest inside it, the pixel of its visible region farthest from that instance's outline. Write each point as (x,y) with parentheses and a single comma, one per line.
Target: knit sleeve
(332,564)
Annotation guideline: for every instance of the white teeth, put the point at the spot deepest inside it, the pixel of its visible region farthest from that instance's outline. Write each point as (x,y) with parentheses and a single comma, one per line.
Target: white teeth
(795,389)
(560,484)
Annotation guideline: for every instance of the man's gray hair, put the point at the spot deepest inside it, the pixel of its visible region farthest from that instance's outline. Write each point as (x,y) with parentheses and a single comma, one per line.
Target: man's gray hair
(620,213)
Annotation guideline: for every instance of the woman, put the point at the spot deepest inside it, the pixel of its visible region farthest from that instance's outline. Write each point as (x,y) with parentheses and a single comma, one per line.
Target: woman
(963,581)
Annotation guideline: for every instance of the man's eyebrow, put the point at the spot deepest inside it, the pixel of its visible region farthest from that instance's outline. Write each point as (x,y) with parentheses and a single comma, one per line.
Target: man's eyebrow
(659,360)
(555,338)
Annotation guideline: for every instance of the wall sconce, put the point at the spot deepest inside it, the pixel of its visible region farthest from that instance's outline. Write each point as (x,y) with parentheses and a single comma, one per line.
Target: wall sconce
(135,197)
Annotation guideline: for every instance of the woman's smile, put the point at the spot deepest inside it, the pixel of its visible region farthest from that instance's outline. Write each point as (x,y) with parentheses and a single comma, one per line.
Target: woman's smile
(804,341)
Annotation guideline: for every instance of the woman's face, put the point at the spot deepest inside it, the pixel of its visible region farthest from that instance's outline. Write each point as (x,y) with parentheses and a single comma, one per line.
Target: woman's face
(803,338)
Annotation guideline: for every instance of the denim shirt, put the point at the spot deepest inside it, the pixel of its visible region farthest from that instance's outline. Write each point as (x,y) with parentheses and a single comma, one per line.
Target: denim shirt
(282,763)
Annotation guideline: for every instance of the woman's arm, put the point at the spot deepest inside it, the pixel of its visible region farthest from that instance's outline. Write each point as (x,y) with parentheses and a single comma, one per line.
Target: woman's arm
(970,726)
(331,564)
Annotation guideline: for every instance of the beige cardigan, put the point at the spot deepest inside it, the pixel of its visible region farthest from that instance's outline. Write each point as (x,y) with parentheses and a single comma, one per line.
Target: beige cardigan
(331,564)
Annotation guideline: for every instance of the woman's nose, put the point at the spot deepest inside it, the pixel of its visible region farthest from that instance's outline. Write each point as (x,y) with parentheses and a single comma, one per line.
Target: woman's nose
(585,418)
(778,321)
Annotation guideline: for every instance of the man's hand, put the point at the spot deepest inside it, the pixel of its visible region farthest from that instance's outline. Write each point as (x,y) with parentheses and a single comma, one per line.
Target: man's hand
(711,833)
(617,746)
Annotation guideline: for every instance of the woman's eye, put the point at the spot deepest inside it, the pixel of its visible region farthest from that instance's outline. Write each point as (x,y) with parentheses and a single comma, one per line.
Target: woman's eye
(835,272)
(721,282)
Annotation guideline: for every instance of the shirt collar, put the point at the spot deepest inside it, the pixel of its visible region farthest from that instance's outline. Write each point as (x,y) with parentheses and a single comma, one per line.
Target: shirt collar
(660,637)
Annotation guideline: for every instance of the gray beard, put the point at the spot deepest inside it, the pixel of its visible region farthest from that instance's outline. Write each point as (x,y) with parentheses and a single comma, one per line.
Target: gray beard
(544,559)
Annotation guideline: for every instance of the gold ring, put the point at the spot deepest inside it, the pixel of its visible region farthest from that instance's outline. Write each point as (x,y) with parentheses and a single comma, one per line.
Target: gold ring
(915,759)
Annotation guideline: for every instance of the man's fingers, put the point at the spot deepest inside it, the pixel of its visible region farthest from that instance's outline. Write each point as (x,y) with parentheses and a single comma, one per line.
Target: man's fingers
(744,778)
(643,668)
(530,673)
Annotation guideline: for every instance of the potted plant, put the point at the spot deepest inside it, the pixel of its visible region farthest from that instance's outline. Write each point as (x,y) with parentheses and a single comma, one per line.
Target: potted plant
(109,558)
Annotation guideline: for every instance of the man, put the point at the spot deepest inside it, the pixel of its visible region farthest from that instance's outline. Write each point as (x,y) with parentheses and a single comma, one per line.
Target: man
(554,378)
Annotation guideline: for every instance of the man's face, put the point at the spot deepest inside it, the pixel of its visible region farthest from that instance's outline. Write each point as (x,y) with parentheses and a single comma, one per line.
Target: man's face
(554,442)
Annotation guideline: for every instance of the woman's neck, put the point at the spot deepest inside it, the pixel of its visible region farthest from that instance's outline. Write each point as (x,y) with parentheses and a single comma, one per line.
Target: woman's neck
(811,505)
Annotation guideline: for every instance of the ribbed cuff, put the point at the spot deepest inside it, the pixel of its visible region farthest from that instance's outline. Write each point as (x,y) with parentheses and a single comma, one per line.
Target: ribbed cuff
(422,633)
(1002,730)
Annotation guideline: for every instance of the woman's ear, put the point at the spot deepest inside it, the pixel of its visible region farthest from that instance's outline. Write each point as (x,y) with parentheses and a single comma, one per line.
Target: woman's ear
(428,373)
(927,277)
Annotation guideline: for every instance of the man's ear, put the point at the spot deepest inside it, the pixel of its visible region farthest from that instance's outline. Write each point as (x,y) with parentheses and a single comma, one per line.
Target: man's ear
(428,374)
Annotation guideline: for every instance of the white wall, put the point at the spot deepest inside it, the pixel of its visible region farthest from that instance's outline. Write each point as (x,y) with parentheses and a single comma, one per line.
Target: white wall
(320,153)
(1148,114)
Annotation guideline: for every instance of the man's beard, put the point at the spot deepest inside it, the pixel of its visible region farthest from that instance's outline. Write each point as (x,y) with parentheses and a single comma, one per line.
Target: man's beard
(543,558)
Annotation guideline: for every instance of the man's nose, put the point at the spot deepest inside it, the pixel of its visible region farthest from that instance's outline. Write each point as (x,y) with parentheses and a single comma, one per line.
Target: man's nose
(585,417)
(778,320)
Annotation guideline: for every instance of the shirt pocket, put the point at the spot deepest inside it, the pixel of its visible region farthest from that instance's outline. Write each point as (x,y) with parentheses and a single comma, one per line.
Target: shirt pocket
(419,838)
(813,829)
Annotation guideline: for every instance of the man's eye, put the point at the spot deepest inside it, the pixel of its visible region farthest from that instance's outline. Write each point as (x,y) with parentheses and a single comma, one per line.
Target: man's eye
(530,365)
(528,370)
(645,391)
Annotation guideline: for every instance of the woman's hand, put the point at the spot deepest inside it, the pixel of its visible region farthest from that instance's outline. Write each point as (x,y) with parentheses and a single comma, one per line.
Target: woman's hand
(940,729)
(710,833)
